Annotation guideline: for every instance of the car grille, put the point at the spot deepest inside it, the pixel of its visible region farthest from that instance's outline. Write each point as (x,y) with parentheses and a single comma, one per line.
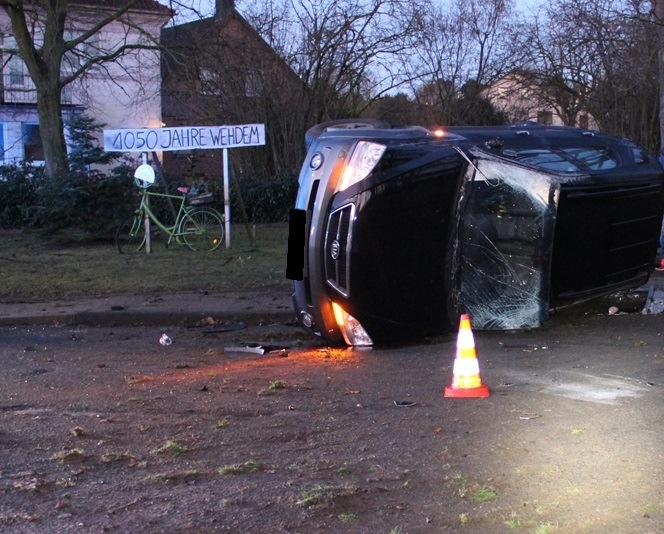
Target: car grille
(337,248)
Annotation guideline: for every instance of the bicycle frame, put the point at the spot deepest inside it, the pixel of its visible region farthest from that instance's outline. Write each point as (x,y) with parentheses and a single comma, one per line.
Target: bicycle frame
(198,227)
(144,207)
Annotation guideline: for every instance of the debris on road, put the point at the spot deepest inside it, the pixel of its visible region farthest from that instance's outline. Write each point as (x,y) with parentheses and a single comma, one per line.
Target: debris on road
(259,348)
(654,302)
(226,327)
(404,403)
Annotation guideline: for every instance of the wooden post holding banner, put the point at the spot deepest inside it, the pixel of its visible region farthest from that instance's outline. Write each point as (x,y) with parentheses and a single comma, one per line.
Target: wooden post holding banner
(227,203)
(146,173)
(188,138)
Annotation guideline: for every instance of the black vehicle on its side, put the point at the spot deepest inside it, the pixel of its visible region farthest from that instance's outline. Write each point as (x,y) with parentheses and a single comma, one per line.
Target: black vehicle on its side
(397,231)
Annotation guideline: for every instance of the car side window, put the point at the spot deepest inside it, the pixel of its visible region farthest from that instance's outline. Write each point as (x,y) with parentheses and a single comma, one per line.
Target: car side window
(568,160)
(596,159)
(546,159)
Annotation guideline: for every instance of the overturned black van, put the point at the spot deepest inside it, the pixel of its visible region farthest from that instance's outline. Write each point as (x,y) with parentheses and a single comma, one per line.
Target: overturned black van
(397,231)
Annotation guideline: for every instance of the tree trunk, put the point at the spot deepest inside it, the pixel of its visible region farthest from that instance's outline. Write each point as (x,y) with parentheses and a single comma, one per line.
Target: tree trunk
(44,66)
(51,128)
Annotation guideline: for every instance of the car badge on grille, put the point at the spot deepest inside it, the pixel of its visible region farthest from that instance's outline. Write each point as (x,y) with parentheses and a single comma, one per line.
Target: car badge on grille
(335,249)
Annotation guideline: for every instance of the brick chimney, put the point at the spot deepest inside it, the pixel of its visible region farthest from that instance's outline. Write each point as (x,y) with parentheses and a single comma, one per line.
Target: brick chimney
(224,8)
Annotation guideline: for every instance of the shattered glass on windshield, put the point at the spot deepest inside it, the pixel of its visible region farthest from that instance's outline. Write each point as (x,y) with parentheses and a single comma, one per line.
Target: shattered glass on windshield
(504,244)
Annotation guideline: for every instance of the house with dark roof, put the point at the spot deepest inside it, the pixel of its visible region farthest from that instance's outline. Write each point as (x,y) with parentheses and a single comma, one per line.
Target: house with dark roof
(124,93)
(220,71)
(523,97)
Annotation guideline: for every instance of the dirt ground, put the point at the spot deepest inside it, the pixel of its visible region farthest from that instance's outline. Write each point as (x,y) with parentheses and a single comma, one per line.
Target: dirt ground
(106,430)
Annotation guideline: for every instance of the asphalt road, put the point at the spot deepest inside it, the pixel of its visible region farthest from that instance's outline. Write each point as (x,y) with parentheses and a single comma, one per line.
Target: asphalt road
(345,440)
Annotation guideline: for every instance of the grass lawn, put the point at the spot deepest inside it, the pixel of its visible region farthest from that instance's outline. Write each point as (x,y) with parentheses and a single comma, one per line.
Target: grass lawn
(36,267)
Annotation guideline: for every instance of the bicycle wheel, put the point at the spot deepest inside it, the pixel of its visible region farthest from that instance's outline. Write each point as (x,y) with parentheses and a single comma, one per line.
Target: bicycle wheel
(202,229)
(130,235)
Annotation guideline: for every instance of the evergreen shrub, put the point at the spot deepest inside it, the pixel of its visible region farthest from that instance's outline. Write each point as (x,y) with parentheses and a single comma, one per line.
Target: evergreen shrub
(84,199)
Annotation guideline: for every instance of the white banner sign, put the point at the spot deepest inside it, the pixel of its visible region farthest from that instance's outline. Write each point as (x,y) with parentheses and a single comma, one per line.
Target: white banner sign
(184,138)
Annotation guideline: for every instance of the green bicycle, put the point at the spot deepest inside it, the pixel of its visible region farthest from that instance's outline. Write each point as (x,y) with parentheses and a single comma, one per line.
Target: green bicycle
(200,228)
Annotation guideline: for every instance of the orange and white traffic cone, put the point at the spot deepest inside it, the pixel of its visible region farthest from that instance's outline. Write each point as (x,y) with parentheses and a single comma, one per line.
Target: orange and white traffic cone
(466,381)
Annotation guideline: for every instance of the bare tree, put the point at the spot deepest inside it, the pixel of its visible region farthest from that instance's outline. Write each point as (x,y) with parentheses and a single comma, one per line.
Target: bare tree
(343,50)
(625,95)
(561,61)
(56,41)
(462,47)
(597,56)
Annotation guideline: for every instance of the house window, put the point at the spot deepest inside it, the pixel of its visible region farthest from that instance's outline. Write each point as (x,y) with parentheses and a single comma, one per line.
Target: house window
(545,118)
(253,83)
(82,54)
(18,85)
(15,73)
(91,48)
(520,114)
(210,81)
(33,149)
(583,121)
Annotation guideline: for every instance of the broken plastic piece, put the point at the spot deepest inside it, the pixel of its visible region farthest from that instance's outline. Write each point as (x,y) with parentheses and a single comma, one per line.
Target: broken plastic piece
(253,348)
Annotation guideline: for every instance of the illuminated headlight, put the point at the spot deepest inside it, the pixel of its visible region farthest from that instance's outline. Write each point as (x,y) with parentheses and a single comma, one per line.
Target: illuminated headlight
(353,332)
(363,160)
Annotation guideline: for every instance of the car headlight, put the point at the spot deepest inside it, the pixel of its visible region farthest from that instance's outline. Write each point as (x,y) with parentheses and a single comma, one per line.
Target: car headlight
(363,160)
(353,332)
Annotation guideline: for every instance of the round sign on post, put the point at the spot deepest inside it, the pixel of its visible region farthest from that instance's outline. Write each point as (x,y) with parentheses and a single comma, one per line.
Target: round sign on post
(145,173)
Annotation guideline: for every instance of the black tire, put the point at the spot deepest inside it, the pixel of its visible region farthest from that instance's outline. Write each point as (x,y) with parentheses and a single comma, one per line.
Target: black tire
(342,124)
(130,235)
(202,229)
